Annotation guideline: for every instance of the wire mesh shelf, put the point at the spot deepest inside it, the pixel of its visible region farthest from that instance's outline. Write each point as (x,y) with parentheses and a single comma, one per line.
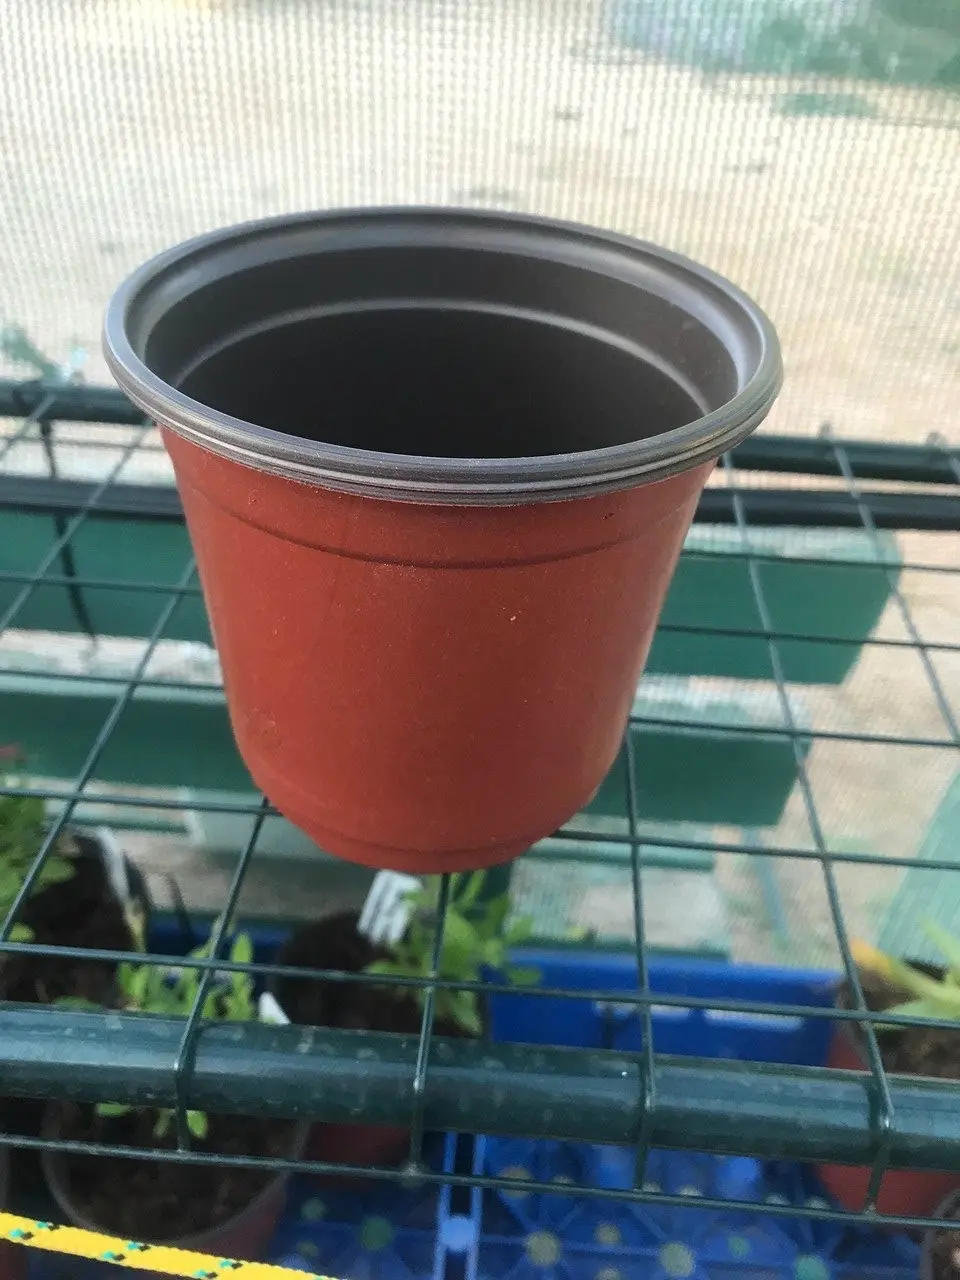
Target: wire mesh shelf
(594,1052)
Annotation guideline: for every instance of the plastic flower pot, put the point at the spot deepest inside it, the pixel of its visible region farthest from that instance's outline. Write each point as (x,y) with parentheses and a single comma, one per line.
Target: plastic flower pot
(13,1258)
(936,1258)
(437,467)
(907,1192)
(334,943)
(244,1235)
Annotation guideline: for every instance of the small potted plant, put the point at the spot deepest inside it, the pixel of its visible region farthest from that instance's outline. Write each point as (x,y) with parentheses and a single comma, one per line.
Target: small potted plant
(230,1211)
(476,939)
(86,895)
(918,990)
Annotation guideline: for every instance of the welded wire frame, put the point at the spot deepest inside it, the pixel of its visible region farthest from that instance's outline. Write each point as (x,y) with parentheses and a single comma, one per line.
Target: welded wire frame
(645,1099)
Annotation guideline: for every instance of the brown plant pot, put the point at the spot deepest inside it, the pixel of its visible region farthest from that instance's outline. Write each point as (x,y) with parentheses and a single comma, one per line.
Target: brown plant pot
(83,911)
(936,1258)
(437,467)
(907,1192)
(13,1257)
(334,943)
(244,1234)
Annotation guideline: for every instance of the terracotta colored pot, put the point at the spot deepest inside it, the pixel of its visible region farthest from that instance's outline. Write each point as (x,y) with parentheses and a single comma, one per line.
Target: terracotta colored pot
(13,1257)
(245,1236)
(911,1193)
(437,468)
(929,1267)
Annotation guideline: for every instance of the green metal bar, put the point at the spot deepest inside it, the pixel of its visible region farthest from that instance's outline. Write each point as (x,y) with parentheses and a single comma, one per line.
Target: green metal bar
(882,1118)
(866,517)
(90,763)
(723,1106)
(186,1053)
(417,1123)
(95,493)
(646,1067)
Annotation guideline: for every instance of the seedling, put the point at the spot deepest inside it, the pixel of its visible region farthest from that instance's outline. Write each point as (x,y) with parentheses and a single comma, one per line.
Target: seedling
(476,937)
(154,989)
(930,997)
(22,825)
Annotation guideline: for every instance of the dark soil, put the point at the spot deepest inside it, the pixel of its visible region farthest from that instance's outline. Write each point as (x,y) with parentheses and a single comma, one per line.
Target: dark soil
(79,912)
(163,1201)
(334,943)
(912,1051)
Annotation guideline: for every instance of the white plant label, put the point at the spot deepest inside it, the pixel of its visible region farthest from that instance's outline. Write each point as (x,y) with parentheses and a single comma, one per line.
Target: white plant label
(115,865)
(269,1010)
(387,910)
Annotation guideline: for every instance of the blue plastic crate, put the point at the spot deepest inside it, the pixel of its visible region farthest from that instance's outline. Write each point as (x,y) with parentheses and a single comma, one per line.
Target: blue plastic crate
(383,1231)
(606,1023)
(538,1236)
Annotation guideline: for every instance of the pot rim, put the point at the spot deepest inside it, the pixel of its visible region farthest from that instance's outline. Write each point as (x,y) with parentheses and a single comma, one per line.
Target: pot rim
(53,1161)
(716,303)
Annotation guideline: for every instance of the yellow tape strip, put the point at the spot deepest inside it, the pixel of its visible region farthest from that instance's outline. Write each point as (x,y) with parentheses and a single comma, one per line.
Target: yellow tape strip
(131,1253)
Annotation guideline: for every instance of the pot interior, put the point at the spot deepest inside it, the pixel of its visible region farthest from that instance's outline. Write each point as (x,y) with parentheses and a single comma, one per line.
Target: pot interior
(446,352)
(435,382)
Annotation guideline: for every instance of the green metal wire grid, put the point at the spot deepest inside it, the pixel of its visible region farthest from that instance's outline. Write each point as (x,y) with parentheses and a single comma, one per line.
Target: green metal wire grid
(645,1099)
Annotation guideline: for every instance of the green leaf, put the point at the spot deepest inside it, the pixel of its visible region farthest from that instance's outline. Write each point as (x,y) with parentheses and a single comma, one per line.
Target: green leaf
(461,947)
(21,933)
(923,1009)
(924,988)
(139,988)
(519,930)
(523,975)
(110,1109)
(162,1122)
(945,942)
(125,976)
(468,894)
(242,949)
(197,1123)
(388,968)
(463,1006)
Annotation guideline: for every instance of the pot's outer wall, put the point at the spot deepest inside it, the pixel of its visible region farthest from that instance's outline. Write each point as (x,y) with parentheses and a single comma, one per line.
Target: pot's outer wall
(428,688)
(907,1192)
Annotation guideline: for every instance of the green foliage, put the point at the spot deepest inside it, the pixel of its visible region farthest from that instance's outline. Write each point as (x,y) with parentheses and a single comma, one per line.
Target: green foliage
(154,989)
(22,827)
(930,997)
(476,936)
